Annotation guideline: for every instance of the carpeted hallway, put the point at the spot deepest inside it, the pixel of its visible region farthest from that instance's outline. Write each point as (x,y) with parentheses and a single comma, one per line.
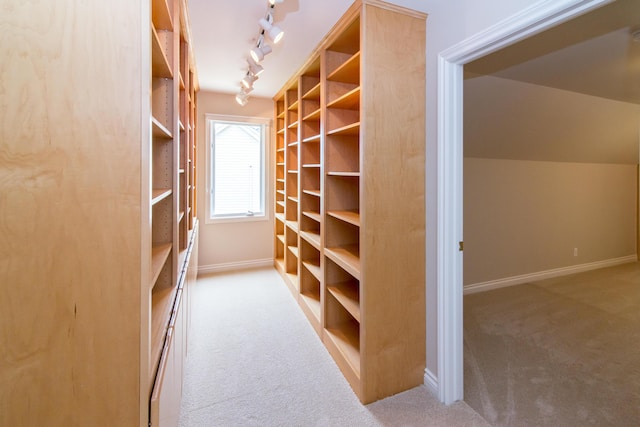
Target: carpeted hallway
(558,352)
(254,360)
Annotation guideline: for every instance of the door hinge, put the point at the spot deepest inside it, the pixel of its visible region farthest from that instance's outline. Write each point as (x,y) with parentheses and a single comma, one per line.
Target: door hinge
(461,246)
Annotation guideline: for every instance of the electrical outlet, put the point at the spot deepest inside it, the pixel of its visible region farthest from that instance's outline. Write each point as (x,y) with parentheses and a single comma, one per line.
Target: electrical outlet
(575,251)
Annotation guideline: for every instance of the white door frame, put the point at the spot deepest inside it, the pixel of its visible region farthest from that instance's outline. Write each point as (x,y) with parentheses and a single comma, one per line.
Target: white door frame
(538,17)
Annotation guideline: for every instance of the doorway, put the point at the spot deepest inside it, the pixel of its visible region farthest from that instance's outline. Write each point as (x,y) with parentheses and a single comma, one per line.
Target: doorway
(539,17)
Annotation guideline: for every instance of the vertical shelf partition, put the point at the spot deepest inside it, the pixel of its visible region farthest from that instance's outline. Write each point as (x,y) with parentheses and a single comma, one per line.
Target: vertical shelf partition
(354,238)
(173,221)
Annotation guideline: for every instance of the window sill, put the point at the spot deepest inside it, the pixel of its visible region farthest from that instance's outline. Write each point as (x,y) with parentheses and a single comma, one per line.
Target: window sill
(232,219)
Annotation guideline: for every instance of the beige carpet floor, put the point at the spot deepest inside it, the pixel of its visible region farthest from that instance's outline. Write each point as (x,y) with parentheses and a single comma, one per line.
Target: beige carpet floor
(254,360)
(558,352)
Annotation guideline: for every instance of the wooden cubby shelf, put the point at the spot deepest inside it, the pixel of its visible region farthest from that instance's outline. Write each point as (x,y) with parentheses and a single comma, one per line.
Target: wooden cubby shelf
(349,134)
(347,257)
(160,66)
(159,255)
(347,294)
(312,238)
(350,217)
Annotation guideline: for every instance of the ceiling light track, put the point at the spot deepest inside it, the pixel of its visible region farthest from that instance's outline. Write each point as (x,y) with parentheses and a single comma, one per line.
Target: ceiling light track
(259,51)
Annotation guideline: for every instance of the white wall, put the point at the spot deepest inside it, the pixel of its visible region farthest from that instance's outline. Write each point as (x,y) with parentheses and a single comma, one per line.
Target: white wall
(233,243)
(449,22)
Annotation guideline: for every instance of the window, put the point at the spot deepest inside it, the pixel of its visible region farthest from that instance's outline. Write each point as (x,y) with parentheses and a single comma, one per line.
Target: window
(237,167)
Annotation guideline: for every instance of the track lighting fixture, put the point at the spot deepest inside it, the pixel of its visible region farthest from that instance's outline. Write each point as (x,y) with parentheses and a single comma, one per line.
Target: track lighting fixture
(273,32)
(248,80)
(254,67)
(259,51)
(242,98)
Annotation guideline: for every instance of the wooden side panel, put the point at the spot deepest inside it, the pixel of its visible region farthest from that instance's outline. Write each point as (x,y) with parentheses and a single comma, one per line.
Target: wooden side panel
(70,212)
(392,202)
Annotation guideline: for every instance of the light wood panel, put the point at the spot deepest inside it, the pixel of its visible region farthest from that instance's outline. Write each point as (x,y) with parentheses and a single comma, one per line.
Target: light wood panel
(70,288)
(353,123)
(395,217)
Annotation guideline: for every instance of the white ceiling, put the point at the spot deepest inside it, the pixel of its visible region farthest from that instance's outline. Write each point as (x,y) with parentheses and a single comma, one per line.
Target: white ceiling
(224,31)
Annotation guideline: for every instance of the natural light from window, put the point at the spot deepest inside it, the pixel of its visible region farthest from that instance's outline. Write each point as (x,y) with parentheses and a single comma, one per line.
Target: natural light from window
(237,165)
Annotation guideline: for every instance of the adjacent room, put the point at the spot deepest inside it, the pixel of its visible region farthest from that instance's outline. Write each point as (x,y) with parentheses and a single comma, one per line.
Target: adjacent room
(551,225)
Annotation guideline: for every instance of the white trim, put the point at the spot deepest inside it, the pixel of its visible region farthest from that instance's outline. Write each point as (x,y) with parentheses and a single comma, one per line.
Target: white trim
(548,274)
(431,382)
(536,18)
(266,122)
(232,266)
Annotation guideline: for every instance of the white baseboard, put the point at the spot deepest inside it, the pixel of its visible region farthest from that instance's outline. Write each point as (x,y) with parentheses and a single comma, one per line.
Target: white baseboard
(556,272)
(431,382)
(232,266)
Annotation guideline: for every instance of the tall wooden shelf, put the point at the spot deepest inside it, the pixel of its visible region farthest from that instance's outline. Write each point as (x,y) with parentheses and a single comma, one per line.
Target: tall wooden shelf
(350,238)
(173,223)
(95,304)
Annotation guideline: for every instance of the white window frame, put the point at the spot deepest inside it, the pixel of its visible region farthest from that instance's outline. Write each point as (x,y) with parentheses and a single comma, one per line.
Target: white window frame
(266,153)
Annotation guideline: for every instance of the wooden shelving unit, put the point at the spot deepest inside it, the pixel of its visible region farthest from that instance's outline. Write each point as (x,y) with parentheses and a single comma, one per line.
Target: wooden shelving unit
(350,220)
(173,223)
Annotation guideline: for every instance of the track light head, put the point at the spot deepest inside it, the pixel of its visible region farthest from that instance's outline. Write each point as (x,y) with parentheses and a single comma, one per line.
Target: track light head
(259,52)
(248,80)
(242,98)
(275,33)
(254,67)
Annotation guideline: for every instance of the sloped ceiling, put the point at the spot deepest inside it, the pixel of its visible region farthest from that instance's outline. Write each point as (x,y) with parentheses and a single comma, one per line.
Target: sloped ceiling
(594,56)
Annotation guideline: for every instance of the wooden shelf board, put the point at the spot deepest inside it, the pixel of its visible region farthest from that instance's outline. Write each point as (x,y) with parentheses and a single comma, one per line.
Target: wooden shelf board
(159,255)
(280,115)
(315,193)
(182,87)
(159,130)
(313,303)
(348,72)
(280,150)
(292,144)
(279,180)
(280,192)
(281,203)
(280,217)
(313,93)
(350,129)
(293,125)
(292,225)
(292,171)
(294,250)
(348,343)
(293,199)
(312,237)
(311,165)
(314,115)
(351,217)
(280,164)
(280,237)
(180,216)
(345,174)
(312,138)
(181,125)
(280,263)
(159,63)
(293,106)
(347,295)
(162,301)
(348,101)
(280,131)
(294,282)
(158,194)
(346,257)
(313,215)
(313,269)
(160,15)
